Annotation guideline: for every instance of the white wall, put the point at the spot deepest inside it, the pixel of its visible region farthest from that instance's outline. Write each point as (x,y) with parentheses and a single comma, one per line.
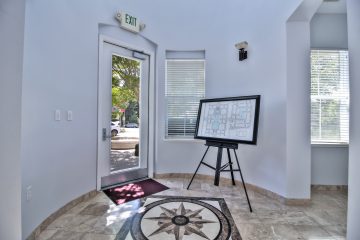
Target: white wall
(298,150)
(12,14)
(60,72)
(298,112)
(265,164)
(329,31)
(353,8)
(329,165)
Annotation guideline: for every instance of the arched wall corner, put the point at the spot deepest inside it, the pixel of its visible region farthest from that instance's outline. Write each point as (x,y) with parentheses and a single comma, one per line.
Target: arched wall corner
(353,14)
(12,21)
(298,147)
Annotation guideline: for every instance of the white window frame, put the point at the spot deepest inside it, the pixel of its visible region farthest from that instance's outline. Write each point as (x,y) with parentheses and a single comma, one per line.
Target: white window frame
(332,143)
(179,138)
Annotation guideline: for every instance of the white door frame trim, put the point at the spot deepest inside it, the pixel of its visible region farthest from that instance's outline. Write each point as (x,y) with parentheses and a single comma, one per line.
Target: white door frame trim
(152,101)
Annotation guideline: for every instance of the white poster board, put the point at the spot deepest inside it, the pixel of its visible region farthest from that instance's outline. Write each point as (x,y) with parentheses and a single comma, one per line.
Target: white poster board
(230,119)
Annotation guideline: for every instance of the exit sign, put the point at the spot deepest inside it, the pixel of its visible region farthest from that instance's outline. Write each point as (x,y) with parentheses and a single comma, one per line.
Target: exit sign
(129,22)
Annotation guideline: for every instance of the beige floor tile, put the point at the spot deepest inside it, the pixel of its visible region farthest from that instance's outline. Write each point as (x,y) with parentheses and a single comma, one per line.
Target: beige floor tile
(313,232)
(337,231)
(46,234)
(75,223)
(285,232)
(241,217)
(66,235)
(91,236)
(327,217)
(257,232)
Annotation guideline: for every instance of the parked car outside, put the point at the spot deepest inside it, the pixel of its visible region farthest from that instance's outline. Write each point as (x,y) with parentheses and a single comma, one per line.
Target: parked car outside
(115,121)
(131,125)
(115,129)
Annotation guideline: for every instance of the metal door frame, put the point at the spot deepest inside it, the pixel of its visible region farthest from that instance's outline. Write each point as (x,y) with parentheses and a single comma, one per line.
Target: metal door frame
(151,102)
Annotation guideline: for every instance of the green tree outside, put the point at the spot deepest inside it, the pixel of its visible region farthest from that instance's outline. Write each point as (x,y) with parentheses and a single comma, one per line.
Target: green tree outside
(125,88)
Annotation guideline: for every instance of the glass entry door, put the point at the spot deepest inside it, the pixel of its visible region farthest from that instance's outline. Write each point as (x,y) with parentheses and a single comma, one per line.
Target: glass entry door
(123,115)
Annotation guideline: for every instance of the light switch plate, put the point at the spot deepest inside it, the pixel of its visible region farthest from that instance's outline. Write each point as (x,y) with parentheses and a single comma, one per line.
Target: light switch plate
(57,115)
(69,115)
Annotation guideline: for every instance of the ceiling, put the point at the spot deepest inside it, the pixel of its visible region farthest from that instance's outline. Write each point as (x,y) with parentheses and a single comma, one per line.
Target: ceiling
(332,6)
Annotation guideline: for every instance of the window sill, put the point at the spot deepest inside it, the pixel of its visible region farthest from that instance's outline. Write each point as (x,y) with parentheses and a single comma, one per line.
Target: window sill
(330,145)
(189,140)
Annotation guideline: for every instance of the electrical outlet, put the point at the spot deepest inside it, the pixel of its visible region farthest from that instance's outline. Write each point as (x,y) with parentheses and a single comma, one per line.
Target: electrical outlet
(28,193)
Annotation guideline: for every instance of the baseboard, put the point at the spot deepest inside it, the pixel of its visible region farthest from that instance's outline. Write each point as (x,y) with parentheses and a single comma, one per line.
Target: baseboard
(318,187)
(297,202)
(227,181)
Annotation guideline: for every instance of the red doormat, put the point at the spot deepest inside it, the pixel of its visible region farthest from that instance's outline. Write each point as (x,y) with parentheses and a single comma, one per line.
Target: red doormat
(135,190)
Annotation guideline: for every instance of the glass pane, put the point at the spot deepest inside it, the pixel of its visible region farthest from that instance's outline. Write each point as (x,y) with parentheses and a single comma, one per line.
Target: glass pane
(125,114)
(181,116)
(329,96)
(185,86)
(330,119)
(315,120)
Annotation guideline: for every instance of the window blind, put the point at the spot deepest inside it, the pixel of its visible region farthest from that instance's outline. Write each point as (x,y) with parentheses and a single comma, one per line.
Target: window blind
(329,96)
(185,86)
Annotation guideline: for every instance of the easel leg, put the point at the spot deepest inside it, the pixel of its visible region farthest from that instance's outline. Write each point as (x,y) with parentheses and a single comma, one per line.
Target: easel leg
(218,166)
(231,168)
(243,182)
(198,167)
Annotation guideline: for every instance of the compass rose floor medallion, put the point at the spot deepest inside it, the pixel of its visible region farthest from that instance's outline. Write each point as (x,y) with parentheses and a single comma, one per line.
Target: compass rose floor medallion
(181,218)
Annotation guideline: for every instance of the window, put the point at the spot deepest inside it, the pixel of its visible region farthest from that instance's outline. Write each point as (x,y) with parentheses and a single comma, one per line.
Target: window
(329,96)
(185,86)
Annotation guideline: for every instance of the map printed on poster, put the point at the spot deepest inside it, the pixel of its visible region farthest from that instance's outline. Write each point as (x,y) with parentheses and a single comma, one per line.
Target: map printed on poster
(228,119)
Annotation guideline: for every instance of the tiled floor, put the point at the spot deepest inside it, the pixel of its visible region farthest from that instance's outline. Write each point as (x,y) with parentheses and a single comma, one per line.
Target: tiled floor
(325,218)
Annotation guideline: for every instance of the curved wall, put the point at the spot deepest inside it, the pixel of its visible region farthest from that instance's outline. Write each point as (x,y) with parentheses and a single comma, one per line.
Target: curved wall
(12,14)
(60,72)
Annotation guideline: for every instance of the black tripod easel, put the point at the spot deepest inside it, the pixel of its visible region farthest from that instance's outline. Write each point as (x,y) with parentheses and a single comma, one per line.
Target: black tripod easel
(222,168)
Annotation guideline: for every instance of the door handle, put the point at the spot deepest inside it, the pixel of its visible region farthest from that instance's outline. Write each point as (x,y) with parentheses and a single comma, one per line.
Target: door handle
(104,135)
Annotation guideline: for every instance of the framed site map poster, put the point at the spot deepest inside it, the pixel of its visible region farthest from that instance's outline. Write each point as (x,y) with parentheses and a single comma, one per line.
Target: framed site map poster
(232,119)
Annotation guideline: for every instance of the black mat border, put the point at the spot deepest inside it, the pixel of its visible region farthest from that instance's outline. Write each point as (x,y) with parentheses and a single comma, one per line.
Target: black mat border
(235,234)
